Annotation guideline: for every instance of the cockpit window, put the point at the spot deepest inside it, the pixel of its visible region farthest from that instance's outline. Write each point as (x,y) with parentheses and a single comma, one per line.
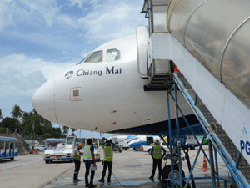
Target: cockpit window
(95,57)
(113,54)
(83,60)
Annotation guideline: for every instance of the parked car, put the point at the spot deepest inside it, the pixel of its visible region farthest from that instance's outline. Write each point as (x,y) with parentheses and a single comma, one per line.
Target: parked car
(40,147)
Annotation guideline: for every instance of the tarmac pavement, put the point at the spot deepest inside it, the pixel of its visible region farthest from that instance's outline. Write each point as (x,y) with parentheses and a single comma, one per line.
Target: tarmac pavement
(29,171)
(132,169)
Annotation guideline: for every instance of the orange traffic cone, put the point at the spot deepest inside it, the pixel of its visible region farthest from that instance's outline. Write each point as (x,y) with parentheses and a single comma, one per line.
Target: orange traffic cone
(176,69)
(204,164)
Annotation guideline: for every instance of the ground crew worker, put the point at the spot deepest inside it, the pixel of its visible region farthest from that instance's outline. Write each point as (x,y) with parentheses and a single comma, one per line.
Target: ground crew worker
(157,159)
(107,158)
(89,159)
(77,161)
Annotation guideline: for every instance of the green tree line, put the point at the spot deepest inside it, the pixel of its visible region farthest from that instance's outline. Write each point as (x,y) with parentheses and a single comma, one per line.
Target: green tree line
(21,123)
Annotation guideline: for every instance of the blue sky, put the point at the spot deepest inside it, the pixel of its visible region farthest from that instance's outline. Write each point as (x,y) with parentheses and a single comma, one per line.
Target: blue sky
(42,38)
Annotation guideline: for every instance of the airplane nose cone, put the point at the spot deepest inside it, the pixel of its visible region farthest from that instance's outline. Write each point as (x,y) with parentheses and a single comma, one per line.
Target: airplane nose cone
(43,101)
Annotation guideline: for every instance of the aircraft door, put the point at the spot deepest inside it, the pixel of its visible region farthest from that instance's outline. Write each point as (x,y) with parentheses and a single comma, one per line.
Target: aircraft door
(142,37)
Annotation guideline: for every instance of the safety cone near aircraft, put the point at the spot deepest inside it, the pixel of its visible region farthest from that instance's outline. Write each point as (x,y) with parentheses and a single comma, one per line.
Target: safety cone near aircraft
(204,164)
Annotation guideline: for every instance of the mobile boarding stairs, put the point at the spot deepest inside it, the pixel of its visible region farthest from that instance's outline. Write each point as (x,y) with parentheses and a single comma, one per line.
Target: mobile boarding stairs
(162,74)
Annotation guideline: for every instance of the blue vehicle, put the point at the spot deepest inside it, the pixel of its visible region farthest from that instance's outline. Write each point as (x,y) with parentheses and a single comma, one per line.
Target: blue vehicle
(8,148)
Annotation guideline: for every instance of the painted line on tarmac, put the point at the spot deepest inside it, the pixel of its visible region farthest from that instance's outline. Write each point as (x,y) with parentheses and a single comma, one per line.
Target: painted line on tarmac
(13,167)
(9,168)
(24,164)
(192,156)
(199,167)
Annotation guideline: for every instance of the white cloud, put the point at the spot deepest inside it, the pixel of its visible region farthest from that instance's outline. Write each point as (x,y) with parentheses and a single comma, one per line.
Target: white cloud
(5,14)
(77,2)
(112,19)
(81,3)
(24,75)
(13,80)
(85,53)
(44,22)
(47,8)
(13,12)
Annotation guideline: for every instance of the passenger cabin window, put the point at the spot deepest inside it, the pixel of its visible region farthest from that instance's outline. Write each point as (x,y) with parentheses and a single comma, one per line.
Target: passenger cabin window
(113,54)
(95,57)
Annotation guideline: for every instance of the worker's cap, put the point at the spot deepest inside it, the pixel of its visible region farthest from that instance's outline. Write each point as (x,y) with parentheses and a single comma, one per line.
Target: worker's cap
(79,145)
(157,142)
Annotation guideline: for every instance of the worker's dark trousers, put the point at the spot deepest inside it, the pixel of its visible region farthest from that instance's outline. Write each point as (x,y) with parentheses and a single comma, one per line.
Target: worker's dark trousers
(87,173)
(105,165)
(157,162)
(77,168)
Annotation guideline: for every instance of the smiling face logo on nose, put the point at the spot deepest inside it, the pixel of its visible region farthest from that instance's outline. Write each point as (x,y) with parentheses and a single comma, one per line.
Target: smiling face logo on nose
(69,74)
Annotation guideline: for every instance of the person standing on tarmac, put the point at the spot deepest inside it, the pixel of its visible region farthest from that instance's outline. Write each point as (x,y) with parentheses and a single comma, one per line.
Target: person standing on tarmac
(89,159)
(107,158)
(157,159)
(77,161)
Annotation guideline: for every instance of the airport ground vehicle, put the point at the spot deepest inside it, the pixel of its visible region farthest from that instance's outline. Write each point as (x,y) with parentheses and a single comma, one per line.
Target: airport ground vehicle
(97,153)
(51,143)
(121,140)
(63,152)
(192,142)
(7,148)
(117,148)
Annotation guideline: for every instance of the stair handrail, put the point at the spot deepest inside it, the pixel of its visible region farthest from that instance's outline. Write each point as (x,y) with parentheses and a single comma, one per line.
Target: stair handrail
(226,157)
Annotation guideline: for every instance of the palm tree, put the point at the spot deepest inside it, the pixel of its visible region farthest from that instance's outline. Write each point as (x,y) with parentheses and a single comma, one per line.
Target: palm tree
(26,123)
(1,114)
(73,132)
(1,117)
(65,130)
(16,114)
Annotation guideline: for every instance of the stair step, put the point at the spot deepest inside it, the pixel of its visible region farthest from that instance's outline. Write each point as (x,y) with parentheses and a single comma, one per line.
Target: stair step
(159,83)
(245,171)
(203,109)
(210,119)
(217,129)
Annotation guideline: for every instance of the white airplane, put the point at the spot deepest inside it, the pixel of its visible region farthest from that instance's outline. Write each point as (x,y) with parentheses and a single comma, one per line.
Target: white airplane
(138,141)
(122,140)
(104,93)
(143,140)
(116,139)
(130,137)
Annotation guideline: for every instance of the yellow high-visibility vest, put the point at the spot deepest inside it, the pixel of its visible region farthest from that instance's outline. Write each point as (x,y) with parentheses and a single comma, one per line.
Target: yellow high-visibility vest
(107,153)
(157,151)
(77,156)
(87,153)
